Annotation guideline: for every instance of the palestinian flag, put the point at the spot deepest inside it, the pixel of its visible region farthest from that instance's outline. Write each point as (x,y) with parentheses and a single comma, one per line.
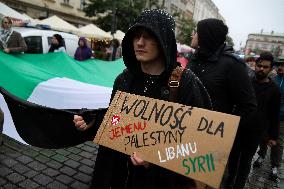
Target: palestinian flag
(48,88)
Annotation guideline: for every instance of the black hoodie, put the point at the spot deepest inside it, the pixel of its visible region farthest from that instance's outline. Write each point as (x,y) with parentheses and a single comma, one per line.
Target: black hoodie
(114,169)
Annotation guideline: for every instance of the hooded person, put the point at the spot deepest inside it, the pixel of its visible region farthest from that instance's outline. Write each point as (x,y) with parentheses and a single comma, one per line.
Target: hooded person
(226,80)
(57,44)
(83,52)
(212,34)
(149,54)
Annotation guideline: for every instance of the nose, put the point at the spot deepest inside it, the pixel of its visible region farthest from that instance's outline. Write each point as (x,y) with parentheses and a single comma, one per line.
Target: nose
(140,41)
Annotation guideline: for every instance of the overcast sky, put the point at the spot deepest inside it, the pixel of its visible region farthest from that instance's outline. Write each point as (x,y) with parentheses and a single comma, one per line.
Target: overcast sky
(250,16)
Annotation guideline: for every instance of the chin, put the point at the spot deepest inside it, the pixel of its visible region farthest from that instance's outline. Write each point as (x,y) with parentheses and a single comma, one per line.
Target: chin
(141,59)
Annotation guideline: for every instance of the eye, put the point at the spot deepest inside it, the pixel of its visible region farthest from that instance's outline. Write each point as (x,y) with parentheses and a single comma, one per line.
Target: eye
(137,34)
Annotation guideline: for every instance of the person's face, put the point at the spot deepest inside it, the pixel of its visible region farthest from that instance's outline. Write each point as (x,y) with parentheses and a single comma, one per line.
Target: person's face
(262,69)
(81,43)
(6,24)
(54,41)
(145,46)
(251,64)
(194,40)
(280,68)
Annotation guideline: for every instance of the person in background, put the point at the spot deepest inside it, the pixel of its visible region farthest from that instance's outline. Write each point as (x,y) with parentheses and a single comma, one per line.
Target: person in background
(57,44)
(10,40)
(250,62)
(276,150)
(225,77)
(83,52)
(114,51)
(263,122)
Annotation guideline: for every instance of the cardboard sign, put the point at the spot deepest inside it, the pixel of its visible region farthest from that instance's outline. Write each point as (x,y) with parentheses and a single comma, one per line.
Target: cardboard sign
(191,141)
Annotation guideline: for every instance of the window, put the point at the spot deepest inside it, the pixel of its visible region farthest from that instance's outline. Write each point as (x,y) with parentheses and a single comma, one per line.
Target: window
(264,46)
(82,4)
(34,44)
(49,39)
(66,3)
(174,9)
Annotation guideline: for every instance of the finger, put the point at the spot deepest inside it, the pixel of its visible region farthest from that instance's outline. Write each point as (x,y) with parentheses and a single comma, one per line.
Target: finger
(78,118)
(83,126)
(137,159)
(133,160)
(80,123)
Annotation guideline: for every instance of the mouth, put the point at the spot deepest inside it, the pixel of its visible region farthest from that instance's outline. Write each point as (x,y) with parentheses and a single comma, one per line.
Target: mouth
(260,73)
(140,51)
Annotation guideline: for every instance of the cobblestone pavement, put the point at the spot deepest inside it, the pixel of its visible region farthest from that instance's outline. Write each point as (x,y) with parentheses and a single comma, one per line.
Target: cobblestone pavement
(28,167)
(259,177)
(23,166)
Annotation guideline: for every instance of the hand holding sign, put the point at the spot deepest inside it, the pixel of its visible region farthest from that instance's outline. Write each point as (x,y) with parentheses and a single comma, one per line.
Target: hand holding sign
(190,141)
(138,161)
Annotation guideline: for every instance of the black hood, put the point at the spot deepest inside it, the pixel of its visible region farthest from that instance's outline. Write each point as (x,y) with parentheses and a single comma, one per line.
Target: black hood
(162,25)
(211,35)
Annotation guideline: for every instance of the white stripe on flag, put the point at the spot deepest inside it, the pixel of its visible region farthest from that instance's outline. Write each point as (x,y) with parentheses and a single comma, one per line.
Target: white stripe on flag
(64,93)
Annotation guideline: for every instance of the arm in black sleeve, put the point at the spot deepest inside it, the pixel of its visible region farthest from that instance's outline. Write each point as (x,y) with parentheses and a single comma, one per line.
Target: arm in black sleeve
(243,95)
(274,111)
(241,90)
(192,91)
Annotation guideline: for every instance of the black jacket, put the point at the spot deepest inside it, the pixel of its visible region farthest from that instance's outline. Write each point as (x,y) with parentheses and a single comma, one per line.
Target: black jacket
(226,80)
(114,169)
(266,118)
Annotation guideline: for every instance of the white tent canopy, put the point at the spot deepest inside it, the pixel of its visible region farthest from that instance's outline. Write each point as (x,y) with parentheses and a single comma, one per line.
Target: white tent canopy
(7,11)
(59,24)
(27,16)
(93,31)
(118,35)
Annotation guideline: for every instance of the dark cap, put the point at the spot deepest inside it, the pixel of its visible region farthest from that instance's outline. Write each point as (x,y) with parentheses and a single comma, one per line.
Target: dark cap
(279,60)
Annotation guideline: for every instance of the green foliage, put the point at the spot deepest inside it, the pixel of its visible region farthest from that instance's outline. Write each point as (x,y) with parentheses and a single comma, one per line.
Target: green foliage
(276,51)
(126,12)
(257,51)
(186,27)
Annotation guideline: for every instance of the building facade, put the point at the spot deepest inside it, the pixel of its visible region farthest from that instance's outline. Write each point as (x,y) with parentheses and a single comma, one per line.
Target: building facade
(185,8)
(179,9)
(194,9)
(259,42)
(205,9)
(69,10)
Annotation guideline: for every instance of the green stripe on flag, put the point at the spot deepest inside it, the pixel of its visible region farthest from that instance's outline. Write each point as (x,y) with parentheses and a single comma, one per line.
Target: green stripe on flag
(21,73)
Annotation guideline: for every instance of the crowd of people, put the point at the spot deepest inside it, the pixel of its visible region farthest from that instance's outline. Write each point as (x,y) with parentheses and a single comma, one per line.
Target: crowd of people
(214,79)
(12,42)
